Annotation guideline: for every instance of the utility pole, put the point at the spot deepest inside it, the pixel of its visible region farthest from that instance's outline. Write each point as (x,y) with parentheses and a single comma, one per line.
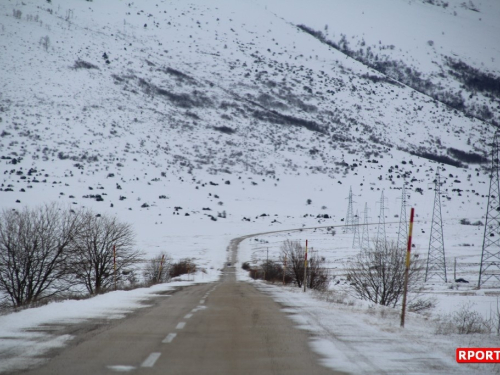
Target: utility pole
(114,265)
(305,269)
(284,271)
(267,263)
(436,262)
(490,256)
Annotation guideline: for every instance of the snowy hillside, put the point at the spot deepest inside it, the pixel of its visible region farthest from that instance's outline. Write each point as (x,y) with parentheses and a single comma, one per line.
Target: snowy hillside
(200,121)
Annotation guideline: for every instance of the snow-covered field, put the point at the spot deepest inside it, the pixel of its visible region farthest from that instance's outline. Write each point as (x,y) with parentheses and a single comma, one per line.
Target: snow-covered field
(363,339)
(198,122)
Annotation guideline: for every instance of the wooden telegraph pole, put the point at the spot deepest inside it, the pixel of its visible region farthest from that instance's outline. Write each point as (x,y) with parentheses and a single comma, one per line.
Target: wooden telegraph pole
(284,271)
(305,269)
(114,264)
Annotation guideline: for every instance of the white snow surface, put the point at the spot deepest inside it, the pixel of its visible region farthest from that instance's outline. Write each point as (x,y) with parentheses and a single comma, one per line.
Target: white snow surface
(148,125)
(362,339)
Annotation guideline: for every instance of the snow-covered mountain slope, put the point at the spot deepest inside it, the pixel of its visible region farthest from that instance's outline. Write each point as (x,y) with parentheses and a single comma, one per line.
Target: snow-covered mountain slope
(197,118)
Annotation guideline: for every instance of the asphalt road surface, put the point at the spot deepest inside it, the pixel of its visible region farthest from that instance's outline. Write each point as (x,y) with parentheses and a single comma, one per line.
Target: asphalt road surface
(228,327)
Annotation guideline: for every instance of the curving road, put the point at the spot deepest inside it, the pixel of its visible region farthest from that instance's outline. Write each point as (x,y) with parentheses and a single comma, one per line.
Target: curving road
(228,327)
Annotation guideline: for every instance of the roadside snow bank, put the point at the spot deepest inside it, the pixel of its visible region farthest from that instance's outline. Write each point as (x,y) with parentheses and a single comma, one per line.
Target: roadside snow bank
(27,334)
(361,338)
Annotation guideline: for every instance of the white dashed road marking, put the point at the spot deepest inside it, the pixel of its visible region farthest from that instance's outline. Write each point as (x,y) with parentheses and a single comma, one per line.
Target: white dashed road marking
(202,301)
(198,308)
(151,360)
(169,338)
(181,325)
(188,316)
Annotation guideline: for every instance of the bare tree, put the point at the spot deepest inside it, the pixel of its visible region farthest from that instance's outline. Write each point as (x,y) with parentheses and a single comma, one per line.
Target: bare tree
(94,257)
(182,267)
(35,246)
(157,270)
(294,254)
(378,274)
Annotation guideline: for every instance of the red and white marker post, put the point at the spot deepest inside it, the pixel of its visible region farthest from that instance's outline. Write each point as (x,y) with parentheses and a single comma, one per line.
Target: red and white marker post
(407,269)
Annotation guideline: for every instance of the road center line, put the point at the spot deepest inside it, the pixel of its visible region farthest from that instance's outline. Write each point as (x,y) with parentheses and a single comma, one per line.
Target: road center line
(169,338)
(188,316)
(151,360)
(202,301)
(181,325)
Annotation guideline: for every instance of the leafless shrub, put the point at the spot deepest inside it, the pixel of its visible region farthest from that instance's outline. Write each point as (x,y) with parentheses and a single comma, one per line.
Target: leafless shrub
(495,320)
(421,305)
(468,321)
(95,262)
(157,270)
(35,247)
(377,274)
(182,267)
(292,253)
(464,321)
(17,13)
(256,273)
(317,274)
(272,271)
